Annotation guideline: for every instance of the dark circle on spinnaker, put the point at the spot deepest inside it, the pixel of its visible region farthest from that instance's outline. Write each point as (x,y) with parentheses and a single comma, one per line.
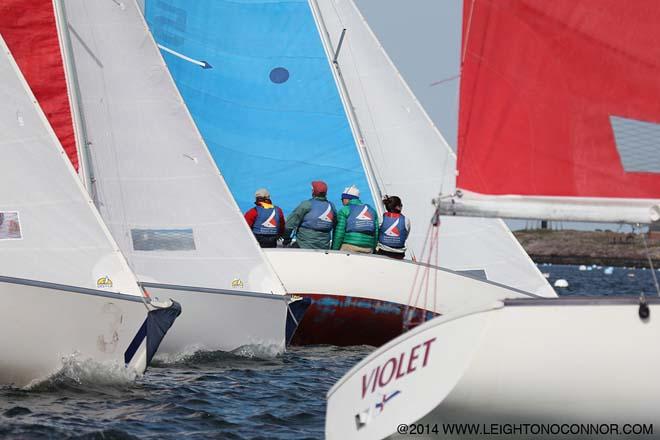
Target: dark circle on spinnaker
(279,75)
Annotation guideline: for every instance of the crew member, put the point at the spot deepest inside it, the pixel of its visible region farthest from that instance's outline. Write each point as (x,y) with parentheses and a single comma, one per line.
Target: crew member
(265,219)
(394,229)
(357,224)
(313,220)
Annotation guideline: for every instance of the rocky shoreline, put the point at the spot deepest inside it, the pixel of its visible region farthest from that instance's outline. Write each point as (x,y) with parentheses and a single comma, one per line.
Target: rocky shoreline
(605,248)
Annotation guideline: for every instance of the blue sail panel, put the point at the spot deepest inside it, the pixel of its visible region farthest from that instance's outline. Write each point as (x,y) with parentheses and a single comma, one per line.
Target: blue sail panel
(259,87)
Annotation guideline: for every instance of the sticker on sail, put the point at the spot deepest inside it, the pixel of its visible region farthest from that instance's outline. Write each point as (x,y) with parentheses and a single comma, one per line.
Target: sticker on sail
(237,283)
(10,226)
(105,282)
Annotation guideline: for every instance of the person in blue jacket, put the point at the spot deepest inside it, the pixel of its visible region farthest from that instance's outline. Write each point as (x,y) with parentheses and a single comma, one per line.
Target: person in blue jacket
(265,219)
(394,230)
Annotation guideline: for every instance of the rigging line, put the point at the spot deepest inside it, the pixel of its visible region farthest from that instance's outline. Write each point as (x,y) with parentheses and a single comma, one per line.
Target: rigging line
(406,314)
(432,246)
(444,80)
(378,177)
(424,283)
(648,257)
(416,309)
(435,280)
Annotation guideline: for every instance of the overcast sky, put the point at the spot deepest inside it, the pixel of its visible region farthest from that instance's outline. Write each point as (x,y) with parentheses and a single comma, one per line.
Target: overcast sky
(423,39)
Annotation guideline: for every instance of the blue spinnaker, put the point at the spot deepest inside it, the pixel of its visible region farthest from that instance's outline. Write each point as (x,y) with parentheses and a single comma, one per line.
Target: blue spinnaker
(255,77)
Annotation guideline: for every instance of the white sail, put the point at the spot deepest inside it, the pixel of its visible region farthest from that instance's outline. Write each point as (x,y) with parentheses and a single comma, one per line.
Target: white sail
(409,156)
(158,189)
(50,230)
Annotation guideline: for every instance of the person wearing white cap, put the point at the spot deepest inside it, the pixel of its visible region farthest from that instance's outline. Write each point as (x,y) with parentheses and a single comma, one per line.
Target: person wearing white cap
(357,224)
(265,219)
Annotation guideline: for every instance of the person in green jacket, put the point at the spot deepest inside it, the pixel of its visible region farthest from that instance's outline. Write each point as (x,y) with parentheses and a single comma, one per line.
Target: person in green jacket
(313,220)
(357,224)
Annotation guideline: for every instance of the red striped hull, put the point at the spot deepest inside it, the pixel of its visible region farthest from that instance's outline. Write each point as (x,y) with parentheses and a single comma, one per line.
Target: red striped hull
(345,320)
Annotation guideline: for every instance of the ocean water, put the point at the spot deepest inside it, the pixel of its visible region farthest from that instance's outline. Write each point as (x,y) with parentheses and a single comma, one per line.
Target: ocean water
(222,395)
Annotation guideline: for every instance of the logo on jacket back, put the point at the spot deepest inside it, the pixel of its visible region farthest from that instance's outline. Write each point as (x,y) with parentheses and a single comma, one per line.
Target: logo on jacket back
(365,214)
(393,231)
(270,221)
(327,215)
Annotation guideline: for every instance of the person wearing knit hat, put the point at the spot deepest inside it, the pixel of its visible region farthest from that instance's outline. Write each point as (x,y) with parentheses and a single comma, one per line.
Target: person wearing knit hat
(265,219)
(357,224)
(312,221)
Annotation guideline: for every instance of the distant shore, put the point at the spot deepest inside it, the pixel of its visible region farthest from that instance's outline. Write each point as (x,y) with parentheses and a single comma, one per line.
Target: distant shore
(605,248)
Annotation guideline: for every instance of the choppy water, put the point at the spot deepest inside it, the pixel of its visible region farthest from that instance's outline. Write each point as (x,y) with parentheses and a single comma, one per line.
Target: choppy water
(219,395)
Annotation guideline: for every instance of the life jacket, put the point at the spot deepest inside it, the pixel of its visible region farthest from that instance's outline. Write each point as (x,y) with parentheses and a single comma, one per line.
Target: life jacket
(321,217)
(393,231)
(361,219)
(267,222)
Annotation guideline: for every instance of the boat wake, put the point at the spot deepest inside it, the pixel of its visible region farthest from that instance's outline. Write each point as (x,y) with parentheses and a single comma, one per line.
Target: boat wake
(77,373)
(200,356)
(258,351)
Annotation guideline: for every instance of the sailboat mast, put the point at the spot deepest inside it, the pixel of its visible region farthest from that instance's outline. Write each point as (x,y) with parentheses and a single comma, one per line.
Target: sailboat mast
(82,144)
(367,163)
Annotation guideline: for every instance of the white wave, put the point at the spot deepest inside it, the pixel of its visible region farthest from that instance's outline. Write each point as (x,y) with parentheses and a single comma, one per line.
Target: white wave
(87,371)
(176,358)
(199,354)
(259,351)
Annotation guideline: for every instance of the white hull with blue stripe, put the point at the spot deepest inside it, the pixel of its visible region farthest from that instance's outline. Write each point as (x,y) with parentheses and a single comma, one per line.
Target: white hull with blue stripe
(160,193)
(85,304)
(43,326)
(223,320)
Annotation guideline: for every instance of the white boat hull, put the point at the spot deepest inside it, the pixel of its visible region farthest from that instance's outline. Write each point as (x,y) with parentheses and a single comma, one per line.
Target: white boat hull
(558,361)
(42,325)
(220,320)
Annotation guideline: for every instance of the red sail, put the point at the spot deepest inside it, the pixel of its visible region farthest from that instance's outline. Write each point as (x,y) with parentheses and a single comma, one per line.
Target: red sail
(560,98)
(29,30)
